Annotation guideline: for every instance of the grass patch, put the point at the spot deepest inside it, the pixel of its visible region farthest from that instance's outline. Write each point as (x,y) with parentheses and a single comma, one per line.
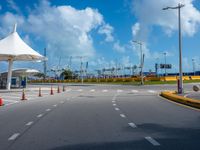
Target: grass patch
(137,82)
(147,82)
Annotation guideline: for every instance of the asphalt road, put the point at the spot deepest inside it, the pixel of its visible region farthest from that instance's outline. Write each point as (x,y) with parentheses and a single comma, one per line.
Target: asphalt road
(100,117)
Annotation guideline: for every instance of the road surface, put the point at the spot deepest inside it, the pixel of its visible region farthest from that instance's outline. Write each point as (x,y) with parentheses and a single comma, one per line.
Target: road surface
(100,117)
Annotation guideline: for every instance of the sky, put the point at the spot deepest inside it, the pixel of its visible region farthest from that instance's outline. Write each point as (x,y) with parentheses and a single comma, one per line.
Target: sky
(102,31)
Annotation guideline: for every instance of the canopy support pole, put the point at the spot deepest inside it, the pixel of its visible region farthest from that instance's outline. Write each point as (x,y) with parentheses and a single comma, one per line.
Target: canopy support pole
(10,65)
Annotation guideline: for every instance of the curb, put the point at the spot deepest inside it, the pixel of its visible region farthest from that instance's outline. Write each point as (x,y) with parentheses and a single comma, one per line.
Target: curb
(180,99)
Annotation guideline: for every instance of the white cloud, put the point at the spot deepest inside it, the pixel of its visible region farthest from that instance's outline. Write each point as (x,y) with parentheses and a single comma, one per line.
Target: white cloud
(64,30)
(108,31)
(68,31)
(135,29)
(118,47)
(7,22)
(125,61)
(136,49)
(150,13)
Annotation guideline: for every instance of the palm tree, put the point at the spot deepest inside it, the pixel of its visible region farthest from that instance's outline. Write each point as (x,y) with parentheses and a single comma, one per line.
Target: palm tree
(67,74)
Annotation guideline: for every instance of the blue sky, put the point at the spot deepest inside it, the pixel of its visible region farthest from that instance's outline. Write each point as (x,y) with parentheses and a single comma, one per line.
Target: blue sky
(102,30)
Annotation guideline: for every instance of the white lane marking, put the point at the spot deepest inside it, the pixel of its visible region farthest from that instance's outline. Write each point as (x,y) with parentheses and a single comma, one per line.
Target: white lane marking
(119,91)
(40,115)
(152,141)
(44,94)
(11,101)
(9,104)
(61,102)
(114,104)
(117,109)
(10,96)
(68,90)
(113,101)
(79,90)
(93,90)
(55,105)
(104,90)
(48,109)
(134,91)
(122,115)
(13,137)
(29,123)
(132,125)
(31,95)
(151,91)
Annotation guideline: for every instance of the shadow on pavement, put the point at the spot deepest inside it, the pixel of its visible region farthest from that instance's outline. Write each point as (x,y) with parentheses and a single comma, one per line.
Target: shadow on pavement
(170,138)
(125,145)
(177,138)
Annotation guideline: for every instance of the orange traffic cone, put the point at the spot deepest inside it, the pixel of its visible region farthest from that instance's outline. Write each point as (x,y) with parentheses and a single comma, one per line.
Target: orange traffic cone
(63,88)
(58,91)
(1,102)
(40,94)
(51,93)
(23,95)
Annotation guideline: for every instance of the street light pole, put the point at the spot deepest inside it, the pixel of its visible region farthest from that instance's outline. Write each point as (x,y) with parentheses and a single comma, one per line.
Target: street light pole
(157,66)
(81,70)
(141,59)
(193,63)
(180,88)
(165,63)
(45,63)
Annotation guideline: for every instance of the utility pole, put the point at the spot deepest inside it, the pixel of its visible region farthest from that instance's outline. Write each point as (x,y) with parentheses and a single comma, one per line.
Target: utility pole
(157,66)
(165,63)
(45,63)
(86,68)
(70,62)
(70,66)
(141,60)
(81,69)
(193,63)
(180,83)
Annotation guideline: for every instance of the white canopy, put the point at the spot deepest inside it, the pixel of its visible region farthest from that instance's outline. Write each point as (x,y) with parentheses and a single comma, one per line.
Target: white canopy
(13,48)
(20,72)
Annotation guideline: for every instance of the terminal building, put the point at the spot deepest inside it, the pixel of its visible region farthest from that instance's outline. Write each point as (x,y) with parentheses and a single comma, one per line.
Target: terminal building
(19,77)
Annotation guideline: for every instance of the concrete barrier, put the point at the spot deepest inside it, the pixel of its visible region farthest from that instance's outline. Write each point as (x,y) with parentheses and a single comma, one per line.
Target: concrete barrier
(180,99)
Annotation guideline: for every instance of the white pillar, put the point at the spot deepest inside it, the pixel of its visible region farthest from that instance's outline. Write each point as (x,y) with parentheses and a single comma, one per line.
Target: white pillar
(10,64)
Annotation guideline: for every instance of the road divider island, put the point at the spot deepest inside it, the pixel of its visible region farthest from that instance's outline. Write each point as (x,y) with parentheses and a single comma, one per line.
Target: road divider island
(173,96)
